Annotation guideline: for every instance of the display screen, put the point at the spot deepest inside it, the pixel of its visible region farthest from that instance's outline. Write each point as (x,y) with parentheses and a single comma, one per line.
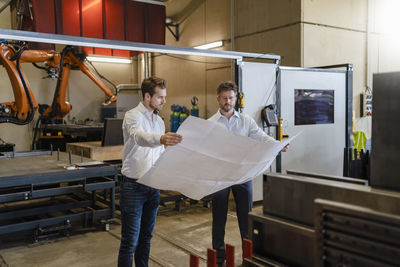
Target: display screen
(313,106)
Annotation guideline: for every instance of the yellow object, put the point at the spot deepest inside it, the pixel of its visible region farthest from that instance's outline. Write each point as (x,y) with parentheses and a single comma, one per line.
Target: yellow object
(280,131)
(359,140)
(241,100)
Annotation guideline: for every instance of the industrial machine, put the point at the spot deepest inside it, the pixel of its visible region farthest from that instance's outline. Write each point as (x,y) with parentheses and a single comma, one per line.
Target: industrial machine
(22,109)
(62,196)
(49,193)
(311,219)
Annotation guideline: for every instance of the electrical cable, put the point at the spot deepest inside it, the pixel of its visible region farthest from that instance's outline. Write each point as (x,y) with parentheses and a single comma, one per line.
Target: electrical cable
(272,88)
(39,67)
(259,57)
(35,130)
(51,71)
(192,60)
(56,92)
(101,76)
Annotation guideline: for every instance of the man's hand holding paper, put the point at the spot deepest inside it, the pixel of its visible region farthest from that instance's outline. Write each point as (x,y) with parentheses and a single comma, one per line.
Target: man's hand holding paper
(208,159)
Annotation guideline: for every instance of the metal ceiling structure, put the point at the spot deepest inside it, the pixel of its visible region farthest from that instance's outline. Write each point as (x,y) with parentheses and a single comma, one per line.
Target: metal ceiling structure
(125,45)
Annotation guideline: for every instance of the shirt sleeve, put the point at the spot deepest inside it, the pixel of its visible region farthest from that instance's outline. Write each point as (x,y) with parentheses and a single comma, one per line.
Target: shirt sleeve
(135,130)
(256,133)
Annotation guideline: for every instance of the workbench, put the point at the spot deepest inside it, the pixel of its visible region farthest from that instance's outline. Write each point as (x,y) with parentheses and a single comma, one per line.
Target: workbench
(40,192)
(57,135)
(95,151)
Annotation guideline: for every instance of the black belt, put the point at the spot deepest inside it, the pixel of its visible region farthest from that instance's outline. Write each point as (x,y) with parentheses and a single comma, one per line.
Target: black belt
(128,179)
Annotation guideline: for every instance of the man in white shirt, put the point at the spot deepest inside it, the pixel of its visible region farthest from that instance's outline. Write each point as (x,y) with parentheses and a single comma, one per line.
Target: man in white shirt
(144,141)
(243,125)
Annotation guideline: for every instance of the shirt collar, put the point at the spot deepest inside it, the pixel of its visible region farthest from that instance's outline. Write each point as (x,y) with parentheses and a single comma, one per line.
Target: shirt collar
(146,112)
(142,108)
(235,113)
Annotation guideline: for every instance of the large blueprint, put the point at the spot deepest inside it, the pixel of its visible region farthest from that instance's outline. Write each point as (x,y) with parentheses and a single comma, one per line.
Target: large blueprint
(209,158)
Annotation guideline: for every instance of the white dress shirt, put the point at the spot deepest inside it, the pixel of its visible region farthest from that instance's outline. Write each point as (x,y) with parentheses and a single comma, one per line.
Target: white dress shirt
(243,125)
(142,145)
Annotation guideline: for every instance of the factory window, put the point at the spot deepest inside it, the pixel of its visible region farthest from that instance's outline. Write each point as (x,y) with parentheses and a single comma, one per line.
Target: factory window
(313,106)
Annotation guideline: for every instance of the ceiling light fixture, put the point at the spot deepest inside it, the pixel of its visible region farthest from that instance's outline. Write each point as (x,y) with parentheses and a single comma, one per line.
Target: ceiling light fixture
(210,45)
(155,2)
(109,59)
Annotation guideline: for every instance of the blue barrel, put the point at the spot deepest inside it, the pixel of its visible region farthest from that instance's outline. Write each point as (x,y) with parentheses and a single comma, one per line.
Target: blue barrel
(183,115)
(175,114)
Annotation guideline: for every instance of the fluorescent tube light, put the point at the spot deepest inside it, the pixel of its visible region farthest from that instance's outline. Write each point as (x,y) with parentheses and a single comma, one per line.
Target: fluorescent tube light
(155,2)
(109,59)
(210,45)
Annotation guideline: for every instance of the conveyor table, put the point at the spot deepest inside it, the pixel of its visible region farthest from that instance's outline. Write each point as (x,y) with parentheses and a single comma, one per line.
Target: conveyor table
(39,191)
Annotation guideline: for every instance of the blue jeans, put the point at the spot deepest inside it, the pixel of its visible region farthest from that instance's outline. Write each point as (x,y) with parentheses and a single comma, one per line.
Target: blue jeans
(139,205)
(243,195)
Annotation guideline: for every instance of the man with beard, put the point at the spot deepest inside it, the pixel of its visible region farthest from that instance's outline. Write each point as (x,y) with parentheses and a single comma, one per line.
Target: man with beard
(144,141)
(243,125)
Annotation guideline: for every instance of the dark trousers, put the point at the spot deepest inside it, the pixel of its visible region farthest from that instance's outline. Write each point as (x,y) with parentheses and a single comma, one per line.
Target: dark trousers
(243,195)
(139,205)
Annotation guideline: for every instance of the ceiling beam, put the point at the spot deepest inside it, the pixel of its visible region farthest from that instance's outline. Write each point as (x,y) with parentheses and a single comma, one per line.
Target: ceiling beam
(125,45)
(187,11)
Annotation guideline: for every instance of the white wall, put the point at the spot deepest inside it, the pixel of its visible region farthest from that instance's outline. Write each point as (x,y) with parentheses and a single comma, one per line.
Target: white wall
(362,32)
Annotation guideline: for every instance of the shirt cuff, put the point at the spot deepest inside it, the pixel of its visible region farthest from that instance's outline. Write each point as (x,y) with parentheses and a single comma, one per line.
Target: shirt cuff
(157,138)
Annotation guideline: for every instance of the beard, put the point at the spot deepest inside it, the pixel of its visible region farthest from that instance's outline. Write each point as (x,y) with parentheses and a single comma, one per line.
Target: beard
(226,107)
(155,107)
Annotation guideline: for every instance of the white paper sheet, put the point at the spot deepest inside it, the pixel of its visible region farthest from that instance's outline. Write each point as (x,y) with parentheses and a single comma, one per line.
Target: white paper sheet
(210,158)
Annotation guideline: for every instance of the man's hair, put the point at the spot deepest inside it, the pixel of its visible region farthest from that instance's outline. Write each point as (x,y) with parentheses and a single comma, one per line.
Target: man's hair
(149,85)
(227,86)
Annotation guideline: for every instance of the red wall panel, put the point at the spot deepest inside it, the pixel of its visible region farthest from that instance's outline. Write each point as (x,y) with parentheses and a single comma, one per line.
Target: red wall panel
(43,16)
(92,20)
(155,24)
(115,24)
(43,21)
(134,27)
(108,19)
(115,29)
(71,21)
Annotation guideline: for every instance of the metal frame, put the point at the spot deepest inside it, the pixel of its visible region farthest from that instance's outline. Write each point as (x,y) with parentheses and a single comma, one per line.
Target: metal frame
(238,73)
(328,177)
(176,27)
(125,45)
(134,46)
(283,242)
(20,188)
(348,105)
(354,235)
(349,99)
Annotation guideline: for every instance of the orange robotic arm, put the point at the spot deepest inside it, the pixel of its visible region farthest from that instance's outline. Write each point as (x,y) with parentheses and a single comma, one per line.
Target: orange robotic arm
(69,61)
(21,110)
(76,61)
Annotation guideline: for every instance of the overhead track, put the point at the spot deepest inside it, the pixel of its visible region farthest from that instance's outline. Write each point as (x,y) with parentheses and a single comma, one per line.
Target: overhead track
(125,45)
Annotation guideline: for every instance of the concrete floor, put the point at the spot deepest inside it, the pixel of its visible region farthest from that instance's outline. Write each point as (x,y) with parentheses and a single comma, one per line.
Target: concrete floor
(176,235)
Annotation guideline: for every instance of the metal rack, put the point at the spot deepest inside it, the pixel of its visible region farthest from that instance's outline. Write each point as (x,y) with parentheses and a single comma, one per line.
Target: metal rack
(38,193)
